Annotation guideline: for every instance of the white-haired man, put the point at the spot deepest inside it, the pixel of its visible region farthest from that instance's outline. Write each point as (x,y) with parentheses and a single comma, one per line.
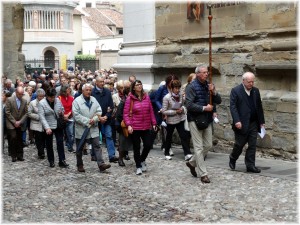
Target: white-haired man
(86,111)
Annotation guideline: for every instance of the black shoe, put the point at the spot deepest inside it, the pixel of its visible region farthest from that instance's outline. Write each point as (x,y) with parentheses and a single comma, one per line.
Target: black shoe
(13,159)
(41,156)
(51,164)
(20,159)
(85,152)
(93,158)
(71,150)
(114,159)
(121,162)
(63,164)
(127,157)
(253,169)
(31,142)
(232,163)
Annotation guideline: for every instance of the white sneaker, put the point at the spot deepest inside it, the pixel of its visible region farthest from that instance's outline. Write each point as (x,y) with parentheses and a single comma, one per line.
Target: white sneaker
(168,157)
(139,171)
(188,157)
(144,167)
(171,152)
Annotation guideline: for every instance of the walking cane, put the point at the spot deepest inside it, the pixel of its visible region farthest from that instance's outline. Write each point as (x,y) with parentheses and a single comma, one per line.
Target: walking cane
(210,57)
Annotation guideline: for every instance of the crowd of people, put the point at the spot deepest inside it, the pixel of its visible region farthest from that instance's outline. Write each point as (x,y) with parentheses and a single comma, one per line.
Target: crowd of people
(85,110)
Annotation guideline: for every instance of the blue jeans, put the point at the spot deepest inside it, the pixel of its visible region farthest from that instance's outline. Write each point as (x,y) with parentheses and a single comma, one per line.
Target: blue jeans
(106,131)
(70,134)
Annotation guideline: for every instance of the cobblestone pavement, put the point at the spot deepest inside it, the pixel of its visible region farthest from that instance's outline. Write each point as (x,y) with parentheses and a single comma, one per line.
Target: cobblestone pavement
(32,192)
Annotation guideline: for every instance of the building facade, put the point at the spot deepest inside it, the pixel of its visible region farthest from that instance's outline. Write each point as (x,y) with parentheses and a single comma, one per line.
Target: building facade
(48,31)
(257,37)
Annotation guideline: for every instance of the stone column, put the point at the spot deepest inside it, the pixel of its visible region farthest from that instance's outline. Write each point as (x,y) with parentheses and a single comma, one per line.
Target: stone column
(136,54)
(13,37)
(98,55)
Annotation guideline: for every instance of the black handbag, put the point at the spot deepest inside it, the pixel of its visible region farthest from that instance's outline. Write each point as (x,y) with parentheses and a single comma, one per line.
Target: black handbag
(201,121)
(61,122)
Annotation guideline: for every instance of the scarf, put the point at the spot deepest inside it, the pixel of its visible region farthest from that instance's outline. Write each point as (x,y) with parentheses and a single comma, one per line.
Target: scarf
(176,96)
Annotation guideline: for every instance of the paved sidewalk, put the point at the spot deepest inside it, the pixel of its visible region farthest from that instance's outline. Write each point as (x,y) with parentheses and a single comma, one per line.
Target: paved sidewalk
(269,167)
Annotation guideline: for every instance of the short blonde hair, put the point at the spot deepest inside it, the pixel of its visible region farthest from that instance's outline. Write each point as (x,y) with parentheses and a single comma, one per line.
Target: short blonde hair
(120,84)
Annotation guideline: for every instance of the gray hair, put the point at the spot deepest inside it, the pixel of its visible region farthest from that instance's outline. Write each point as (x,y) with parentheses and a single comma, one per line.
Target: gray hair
(86,85)
(203,65)
(40,91)
(8,81)
(248,75)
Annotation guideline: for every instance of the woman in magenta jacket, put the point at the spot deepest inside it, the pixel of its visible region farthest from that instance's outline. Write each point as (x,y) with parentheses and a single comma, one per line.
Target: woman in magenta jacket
(140,121)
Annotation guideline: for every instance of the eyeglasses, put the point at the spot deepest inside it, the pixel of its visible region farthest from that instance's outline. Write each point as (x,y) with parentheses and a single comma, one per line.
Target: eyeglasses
(138,85)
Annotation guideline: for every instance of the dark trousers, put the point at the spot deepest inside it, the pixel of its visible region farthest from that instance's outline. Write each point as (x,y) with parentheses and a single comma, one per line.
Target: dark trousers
(15,142)
(59,136)
(240,140)
(137,135)
(96,148)
(184,138)
(40,142)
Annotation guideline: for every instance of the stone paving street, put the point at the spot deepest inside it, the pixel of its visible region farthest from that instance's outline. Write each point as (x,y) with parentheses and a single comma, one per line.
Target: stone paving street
(32,192)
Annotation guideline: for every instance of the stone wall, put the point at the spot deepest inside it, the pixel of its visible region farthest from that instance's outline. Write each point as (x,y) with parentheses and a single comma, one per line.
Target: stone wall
(13,36)
(261,38)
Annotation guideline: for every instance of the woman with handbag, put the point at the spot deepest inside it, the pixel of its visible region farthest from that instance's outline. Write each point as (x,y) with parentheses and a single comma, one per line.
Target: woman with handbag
(49,110)
(140,120)
(125,142)
(175,112)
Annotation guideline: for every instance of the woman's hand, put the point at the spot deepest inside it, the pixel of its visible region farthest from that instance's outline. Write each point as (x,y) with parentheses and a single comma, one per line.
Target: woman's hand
(48,131)
(130,129)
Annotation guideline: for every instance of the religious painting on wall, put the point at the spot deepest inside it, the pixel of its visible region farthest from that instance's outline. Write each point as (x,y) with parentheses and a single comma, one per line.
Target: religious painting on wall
(195,10)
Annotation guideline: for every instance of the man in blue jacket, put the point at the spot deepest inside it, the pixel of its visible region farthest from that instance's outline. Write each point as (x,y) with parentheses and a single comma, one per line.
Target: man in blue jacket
(248,118)
(103,96)
(197,102)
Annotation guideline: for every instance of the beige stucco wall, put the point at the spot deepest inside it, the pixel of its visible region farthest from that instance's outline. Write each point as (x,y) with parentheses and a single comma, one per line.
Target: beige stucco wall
(261,38)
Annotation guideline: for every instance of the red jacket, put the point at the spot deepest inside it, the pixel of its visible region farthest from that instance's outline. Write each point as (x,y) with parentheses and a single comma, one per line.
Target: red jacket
(142,113)
(67,103)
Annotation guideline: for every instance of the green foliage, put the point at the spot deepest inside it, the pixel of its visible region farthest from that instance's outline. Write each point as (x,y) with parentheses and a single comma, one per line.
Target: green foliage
(85,57)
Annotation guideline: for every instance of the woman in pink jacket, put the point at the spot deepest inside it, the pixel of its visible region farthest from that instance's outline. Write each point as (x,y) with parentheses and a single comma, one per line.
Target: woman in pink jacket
(139,117)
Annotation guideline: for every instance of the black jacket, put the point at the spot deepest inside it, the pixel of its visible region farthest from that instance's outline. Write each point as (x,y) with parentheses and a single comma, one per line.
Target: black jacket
(240,107)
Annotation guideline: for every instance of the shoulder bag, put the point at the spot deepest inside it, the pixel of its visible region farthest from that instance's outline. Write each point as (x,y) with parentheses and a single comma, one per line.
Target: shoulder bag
(123,125)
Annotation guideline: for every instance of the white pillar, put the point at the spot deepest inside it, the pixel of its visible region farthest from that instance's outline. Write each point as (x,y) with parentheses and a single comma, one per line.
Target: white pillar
(136,55)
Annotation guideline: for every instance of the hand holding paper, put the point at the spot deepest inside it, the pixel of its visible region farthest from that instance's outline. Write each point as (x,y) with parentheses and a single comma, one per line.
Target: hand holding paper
(262,132)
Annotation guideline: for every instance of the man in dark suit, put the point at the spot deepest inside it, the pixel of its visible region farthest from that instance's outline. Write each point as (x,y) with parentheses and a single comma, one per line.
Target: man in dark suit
(248,118)
(16,115)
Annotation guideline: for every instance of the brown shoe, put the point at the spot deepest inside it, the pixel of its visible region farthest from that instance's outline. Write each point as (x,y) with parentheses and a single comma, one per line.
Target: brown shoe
(205,179)
(192,169)
(81,169)
(103,167)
